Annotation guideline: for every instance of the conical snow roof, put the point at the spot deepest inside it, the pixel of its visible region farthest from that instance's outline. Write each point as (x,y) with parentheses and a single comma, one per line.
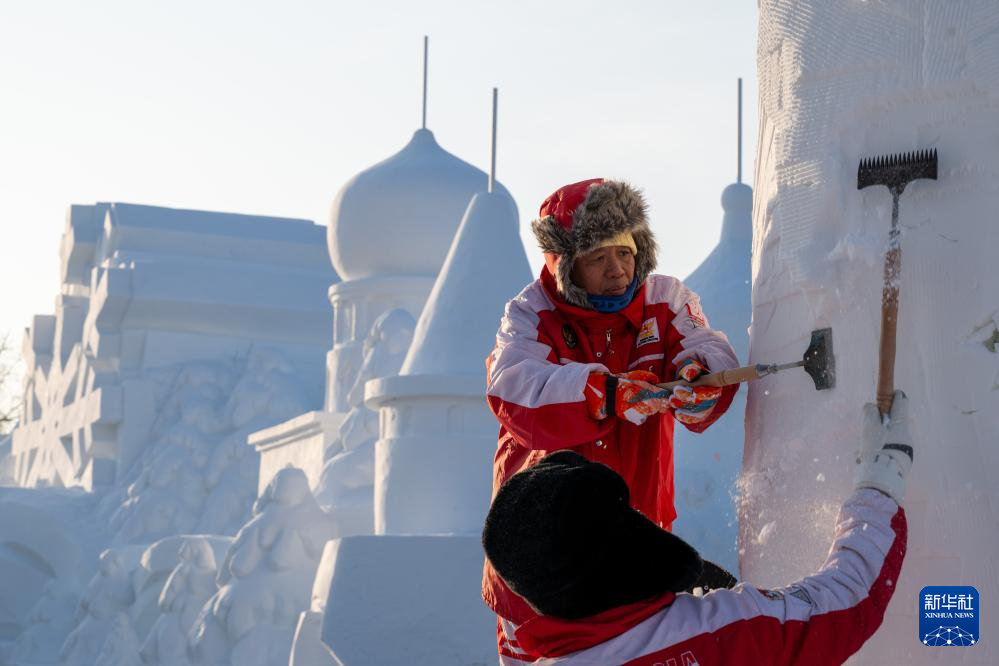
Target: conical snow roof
(723,278)
(485,267)
(399,216)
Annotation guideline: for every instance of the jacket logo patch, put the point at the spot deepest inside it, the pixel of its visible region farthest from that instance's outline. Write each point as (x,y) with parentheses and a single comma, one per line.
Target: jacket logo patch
(695,316)
(648,333)
(570,337)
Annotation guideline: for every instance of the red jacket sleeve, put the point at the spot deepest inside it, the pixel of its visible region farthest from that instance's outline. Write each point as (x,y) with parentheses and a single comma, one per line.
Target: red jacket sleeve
(537,400)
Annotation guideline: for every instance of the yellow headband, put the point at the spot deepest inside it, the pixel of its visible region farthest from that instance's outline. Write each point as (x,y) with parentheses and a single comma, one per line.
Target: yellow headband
(623,239)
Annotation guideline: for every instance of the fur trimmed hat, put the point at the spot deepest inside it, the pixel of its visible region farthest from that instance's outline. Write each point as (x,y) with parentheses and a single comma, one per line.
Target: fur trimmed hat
(579,218)
(564,537)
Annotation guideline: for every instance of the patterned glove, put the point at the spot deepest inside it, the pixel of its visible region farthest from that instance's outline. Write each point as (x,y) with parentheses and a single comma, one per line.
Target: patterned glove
(885,455)
(634,396)
(693,404)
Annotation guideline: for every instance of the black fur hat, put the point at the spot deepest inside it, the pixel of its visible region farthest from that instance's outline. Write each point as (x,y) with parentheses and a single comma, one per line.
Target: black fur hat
(577,218)
(563,536)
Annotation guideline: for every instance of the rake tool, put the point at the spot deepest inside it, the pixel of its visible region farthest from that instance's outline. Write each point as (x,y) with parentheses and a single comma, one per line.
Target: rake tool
(818,362)
(894,172)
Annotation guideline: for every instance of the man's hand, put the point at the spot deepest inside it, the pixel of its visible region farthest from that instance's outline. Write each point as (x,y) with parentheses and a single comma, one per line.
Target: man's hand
(693,404)
(886,453)
(632,395)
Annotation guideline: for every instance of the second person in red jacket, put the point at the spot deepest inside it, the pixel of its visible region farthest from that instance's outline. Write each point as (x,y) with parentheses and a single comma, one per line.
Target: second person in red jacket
(578,353)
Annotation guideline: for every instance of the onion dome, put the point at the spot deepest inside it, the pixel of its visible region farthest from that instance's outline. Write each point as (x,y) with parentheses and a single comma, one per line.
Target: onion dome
(400,216)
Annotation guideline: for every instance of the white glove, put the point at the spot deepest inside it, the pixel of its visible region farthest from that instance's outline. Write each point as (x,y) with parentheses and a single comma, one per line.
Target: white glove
(885,455)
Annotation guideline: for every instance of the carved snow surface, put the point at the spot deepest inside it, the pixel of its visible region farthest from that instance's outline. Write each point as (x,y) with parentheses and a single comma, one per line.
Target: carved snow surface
(266,578)
(52,616)
(121,647)
(108,594)
(841,82)
(189,586)
(346,487)
(7,477)
(198,475)
(143,288)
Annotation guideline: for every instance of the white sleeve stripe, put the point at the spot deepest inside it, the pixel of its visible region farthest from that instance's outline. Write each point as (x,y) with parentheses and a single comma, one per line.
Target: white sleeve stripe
(665,289)
(531,383)
(643,359)
(520,372)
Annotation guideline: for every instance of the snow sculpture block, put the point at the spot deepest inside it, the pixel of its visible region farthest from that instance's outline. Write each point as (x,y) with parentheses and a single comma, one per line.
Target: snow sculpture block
(144,288)
(433,461)
(838,82)
(346,486)
(356,306)
(301,442)
(108,594)
(265,579)
(38,550)
(179,601)
(405,600)
(433,458)
(51,616)
(708,464)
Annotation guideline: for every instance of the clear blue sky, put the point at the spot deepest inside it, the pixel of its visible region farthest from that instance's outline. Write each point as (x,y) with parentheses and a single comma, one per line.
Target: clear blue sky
(269,107)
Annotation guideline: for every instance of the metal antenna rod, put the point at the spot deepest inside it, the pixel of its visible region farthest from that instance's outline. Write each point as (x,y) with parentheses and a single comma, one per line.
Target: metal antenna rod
(739,167)
(426,48)
(492,167)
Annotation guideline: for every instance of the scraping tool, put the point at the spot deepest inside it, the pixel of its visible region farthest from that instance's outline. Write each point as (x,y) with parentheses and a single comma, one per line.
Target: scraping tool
(818,362)
(894,172)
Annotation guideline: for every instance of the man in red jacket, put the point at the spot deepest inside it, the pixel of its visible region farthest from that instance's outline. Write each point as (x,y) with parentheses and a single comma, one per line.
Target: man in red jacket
(578,353)
(608,584)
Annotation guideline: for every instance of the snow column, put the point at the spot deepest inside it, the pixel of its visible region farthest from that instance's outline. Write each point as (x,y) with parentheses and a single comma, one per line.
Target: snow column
(840,81)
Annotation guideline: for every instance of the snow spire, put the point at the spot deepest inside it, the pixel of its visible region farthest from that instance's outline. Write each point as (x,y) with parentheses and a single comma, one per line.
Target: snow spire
(492,164)
(426,49)
(738,177)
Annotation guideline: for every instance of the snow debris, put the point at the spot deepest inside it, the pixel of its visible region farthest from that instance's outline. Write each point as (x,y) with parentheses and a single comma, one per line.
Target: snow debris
(766,532)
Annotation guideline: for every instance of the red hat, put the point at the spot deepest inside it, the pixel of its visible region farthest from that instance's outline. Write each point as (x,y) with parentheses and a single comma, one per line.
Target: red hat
(582,217)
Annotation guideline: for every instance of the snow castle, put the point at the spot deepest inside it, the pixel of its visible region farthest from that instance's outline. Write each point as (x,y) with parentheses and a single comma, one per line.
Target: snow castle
(143,288)
(400,456)
(432,470)
(390,229)
(840,82)
(176,333)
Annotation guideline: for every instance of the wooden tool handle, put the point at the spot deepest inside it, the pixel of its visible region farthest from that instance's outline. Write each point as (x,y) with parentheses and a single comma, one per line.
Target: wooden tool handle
(889,323)
(721,378)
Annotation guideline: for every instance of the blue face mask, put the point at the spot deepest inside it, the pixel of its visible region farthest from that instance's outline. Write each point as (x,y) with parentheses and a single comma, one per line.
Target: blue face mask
(608,304)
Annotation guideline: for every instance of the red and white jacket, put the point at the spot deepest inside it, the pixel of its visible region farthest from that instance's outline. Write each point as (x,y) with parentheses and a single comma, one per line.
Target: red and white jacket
(545,351)
(820,620)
